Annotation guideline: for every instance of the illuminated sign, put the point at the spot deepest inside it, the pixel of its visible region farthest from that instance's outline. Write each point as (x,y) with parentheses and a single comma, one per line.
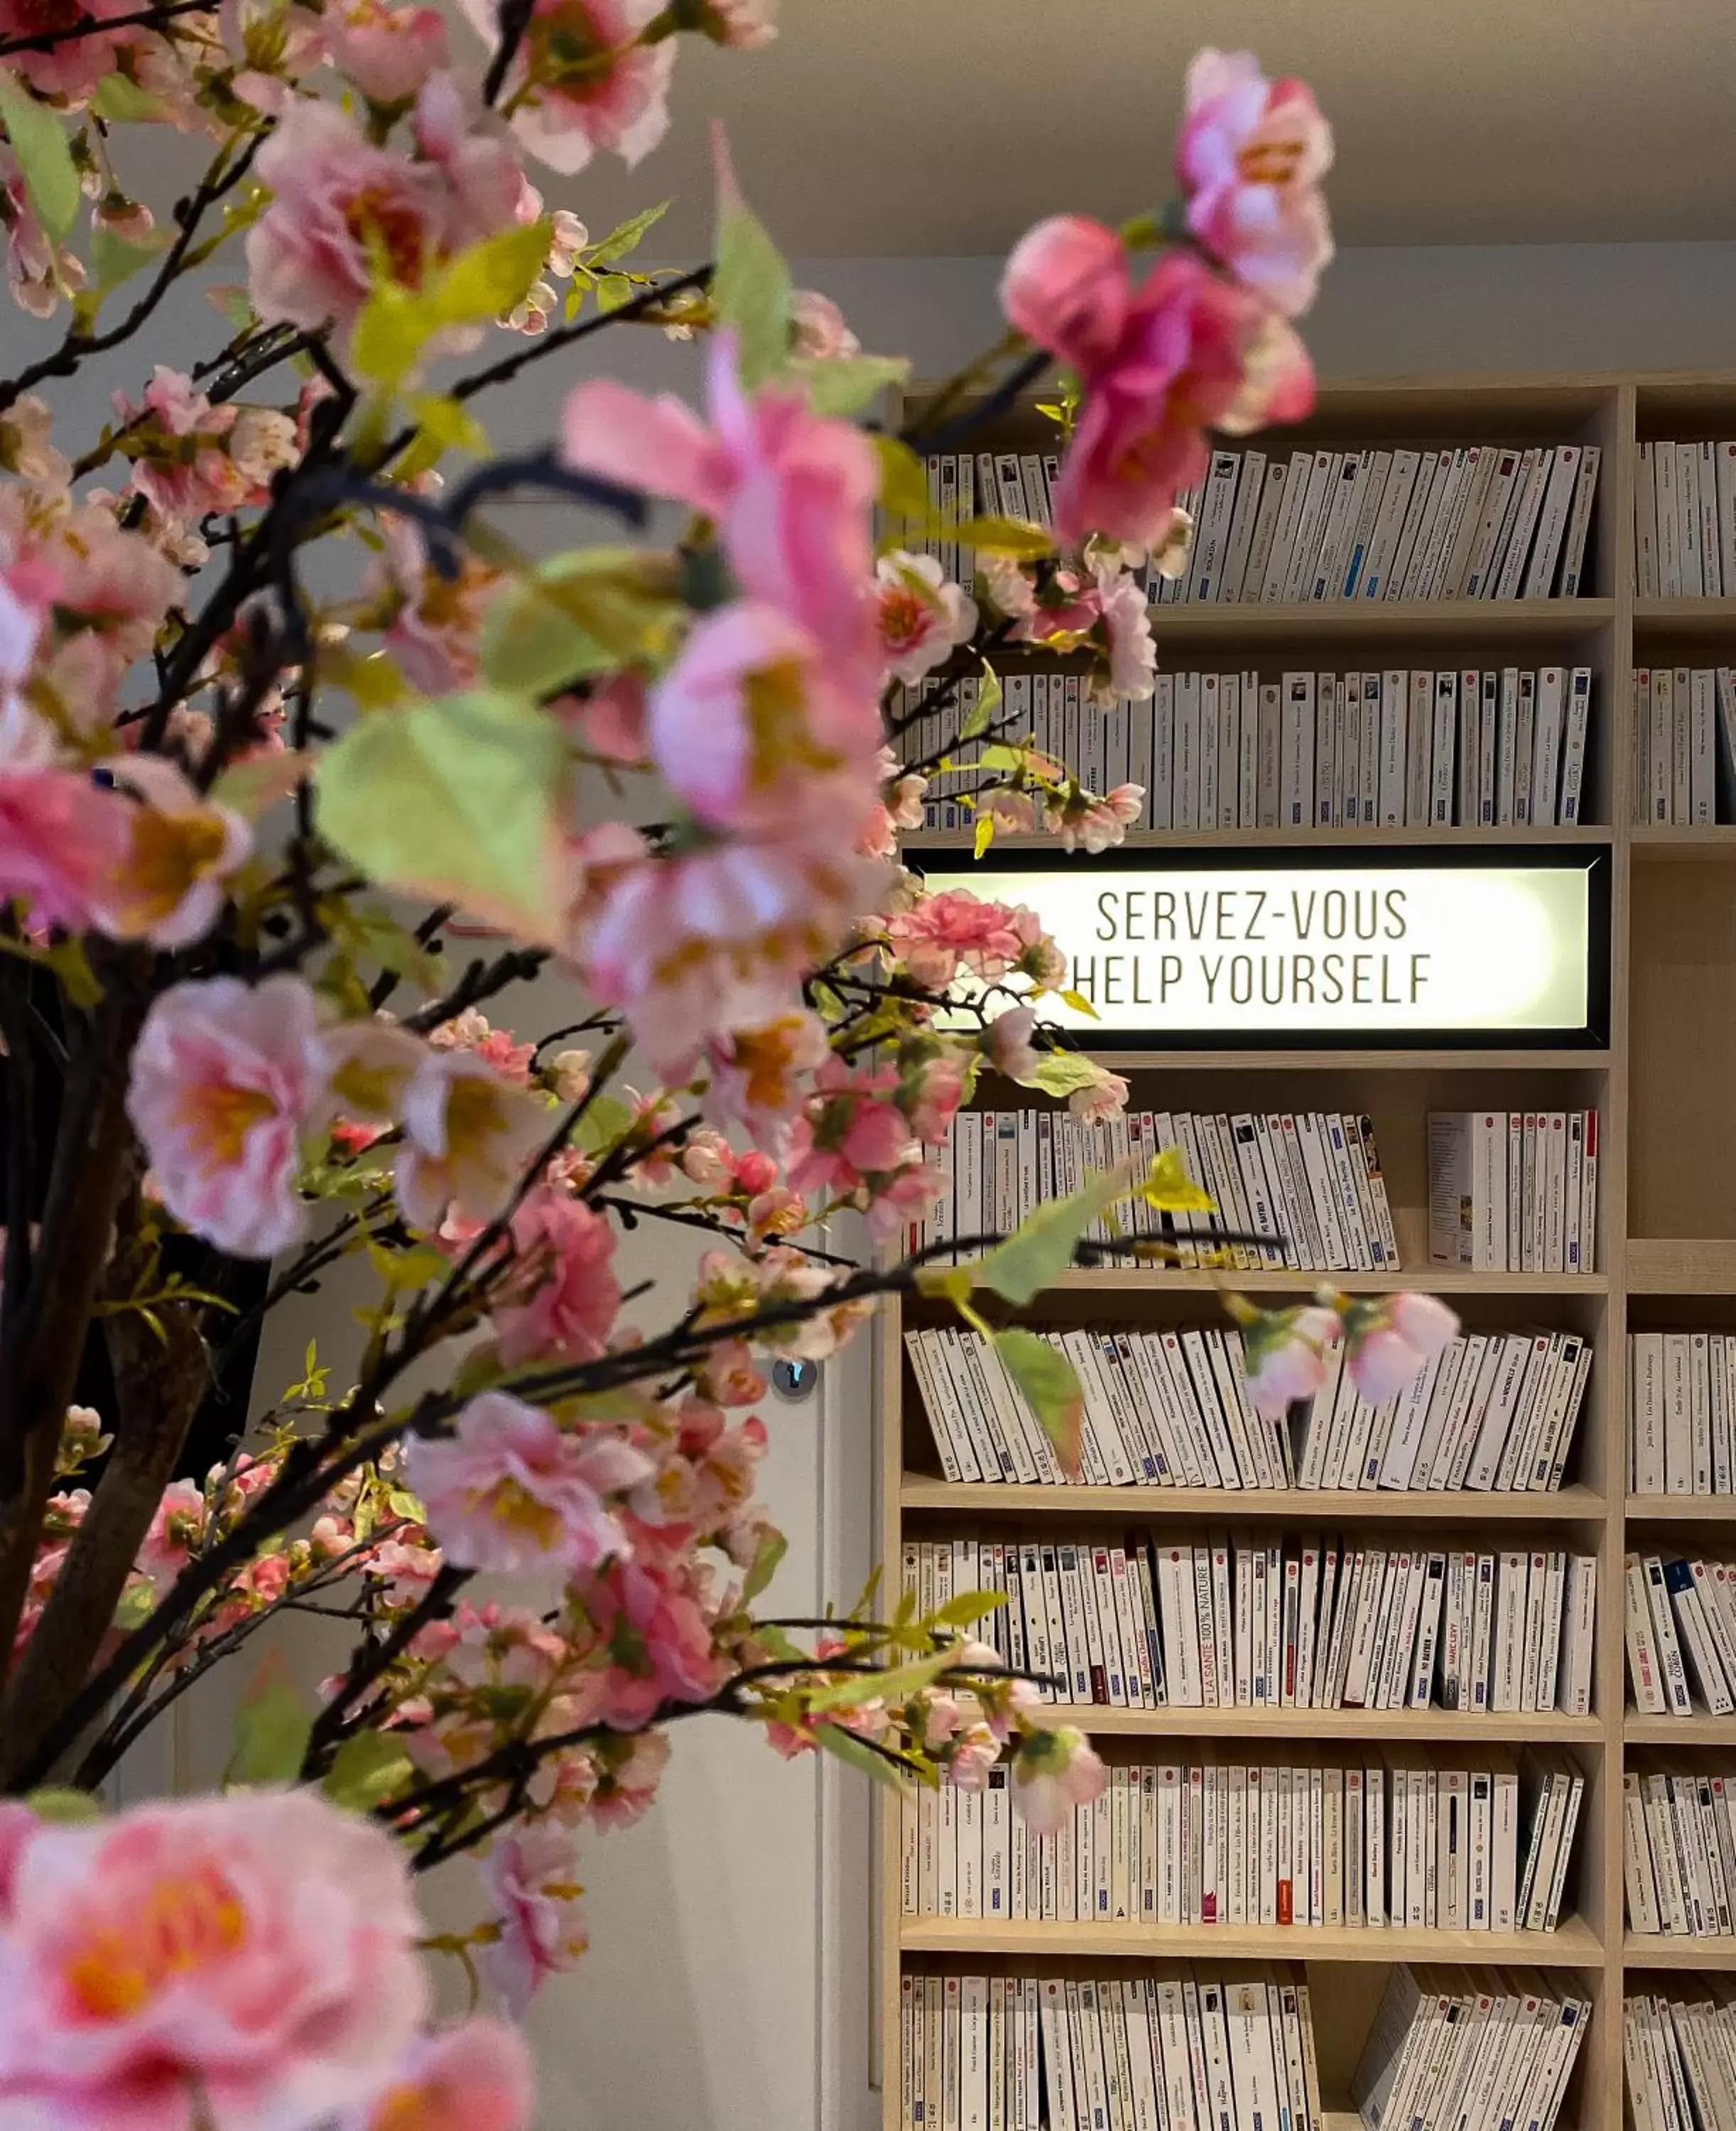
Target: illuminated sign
(1199,949)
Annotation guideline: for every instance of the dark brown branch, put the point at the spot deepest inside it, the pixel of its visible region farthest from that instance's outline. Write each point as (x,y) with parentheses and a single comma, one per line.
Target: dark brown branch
(90,25)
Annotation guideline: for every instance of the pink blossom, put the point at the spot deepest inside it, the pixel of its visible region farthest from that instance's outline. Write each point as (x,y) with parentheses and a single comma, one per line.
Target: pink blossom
(821,333)
(531,1878)
(745,24)
(1184,352)
(169,884)
(38,271)
(1007,1041)
(224,1080)
(1251,158)
(476,2076)
(71,69)
(943,933)
(1283,1354)
(247,1959)
(468,1133)
(1126,626)
(582,82)
(61,839)
(177,441)
(792,492)
(1388,1342)
(1096,824)
(25,449)
(176,1526)
(566,1294)
(1066,286)
(388,52)
(611,721)
(757,1075)
(1054,1772)
(921,616)
(930,1096)
(1104,1097)
(719,940)
(337,197)
(508,1489)
(470,1031)
(750,730)
(652,1616)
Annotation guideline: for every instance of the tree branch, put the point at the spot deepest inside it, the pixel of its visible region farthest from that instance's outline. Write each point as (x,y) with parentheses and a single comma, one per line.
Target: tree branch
(91,26)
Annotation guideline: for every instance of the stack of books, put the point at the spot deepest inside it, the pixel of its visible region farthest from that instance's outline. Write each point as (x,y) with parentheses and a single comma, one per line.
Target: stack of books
(1185,2050)
(1681,1620)
(1481,1844)
(1297,1189)
(1685,521)
(1493,1411)
(1444,2051)
(1681,1413)
(1399,748)
(1513,1190)
(1240,1622)
(1679,1853)
(1477,522)
(1680,2056)
(1684,746)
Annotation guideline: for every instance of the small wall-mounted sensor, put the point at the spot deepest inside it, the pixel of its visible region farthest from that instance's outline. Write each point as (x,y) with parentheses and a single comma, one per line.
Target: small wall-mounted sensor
(796,1381)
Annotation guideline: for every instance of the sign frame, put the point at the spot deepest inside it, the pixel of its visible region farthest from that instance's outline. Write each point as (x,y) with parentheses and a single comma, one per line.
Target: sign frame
(1595,860)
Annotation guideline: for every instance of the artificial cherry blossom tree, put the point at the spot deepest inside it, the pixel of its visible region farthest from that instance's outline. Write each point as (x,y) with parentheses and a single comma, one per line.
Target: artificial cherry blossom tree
(229,1048)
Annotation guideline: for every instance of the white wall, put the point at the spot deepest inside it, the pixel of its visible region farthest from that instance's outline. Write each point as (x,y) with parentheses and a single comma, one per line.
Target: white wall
(727,1989)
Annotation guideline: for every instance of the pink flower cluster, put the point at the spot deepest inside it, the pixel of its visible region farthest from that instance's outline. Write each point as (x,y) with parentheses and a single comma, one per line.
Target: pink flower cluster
(190,457)
(1389,1338)
(766,728)
(1186,350)
(941,936)
(247,1959)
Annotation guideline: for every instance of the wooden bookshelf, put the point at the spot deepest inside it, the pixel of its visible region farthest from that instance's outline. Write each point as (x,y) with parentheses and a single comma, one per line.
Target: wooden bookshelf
(1666,1250)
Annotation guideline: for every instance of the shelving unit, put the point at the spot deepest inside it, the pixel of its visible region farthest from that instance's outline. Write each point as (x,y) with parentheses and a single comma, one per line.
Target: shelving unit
(1666,1250)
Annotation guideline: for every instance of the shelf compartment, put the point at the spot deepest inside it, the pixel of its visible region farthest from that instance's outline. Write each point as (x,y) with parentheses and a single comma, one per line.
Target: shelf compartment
(1682,1509)
(1485,620)
(1654,846)
(1441,1280)
(920,1491)
(1574,1945)
(1533,1728)
(1643,1731)
(1681,1264)
(1638,1951)
(919,841)
(1664,619)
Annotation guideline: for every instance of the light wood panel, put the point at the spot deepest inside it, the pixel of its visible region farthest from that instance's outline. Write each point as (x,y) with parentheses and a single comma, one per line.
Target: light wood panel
(1667,1089)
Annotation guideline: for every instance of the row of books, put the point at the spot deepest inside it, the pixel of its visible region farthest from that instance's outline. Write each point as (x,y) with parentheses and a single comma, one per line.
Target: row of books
(1679,1853)
(1681,1413)
(1251,1622)
(1513,1190)
(1685,521)
(1681,2057)
(1681,1626)
(1173,2049)
(1492,748)
(1302,1189)
(1684,746)
(1457,2052)
(1474,522)
(1307,1842)
(1493,1411)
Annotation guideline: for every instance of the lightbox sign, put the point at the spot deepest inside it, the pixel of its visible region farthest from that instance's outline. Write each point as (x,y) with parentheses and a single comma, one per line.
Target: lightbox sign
(1202,950)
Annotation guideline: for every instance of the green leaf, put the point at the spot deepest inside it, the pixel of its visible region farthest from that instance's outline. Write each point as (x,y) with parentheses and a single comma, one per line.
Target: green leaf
(1060,1072)
(613,290)
(45,156)
(488,278)
(1041,1249)
(605,1118)
(1167,1187)
(463,799)
(845,1746)
(590,612)
(1047,1381)
(751,289)
(984,836)
(64,1805)
(254,786)
(271,1729)
(771,1549)
(391,329)
(846,384)
(367,1769)
(117,259)
(897,1684)
(122,102)
(1005,536)
(903,481)
(1079,1003)
(625,237)
(968,1607)
(982,710)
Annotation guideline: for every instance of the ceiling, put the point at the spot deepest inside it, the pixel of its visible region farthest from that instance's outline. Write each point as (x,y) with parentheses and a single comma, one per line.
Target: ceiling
(945,127)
